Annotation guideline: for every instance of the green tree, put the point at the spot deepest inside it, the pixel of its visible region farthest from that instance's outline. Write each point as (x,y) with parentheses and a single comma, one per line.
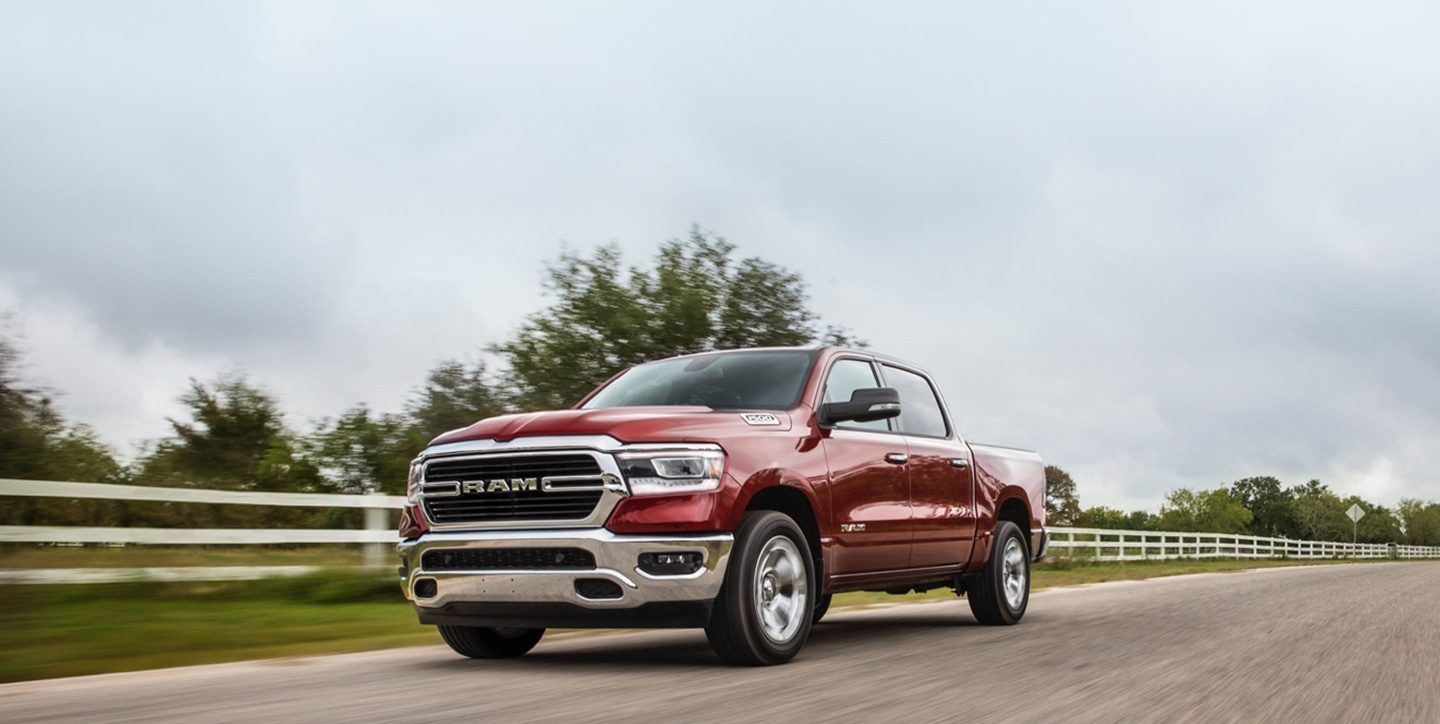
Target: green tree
(1379,525)
(364,452)
(694,297)
(1422,522)
(1114,519)
(233,438)
(1272,506)
(36,443)
(1101,517)
(1208,511)
(230,431)
(1062,505)
(454,395)
(1319,513)
(763,306)
(1142,520)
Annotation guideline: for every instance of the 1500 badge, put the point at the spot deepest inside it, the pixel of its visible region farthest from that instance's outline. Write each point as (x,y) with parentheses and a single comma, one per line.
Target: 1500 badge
(759,418)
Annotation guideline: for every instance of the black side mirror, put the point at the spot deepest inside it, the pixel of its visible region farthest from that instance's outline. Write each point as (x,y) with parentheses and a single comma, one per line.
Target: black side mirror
(865,405)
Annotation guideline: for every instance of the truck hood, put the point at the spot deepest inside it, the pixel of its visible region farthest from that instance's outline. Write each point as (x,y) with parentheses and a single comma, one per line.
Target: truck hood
(626,424)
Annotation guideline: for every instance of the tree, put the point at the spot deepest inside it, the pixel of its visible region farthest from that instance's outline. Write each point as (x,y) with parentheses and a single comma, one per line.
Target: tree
(1062,505)
(1379,524)
(36,443)
(1142,520)
(1208,511)
(454,395)
(229,433)
(1114,519)
(763,306)
(1270,503)
(362,452)
(234,438)
(1319,513)
(1422,522)
(1100,517)
(694,297)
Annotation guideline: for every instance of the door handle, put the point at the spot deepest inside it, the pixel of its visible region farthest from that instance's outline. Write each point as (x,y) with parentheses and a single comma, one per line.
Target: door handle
(896,458)
(961,463)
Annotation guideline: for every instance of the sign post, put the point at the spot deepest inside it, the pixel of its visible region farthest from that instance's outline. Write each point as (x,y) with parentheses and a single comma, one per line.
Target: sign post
(1355,514)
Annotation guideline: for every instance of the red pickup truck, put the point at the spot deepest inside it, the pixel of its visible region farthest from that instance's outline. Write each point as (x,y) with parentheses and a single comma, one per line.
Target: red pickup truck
(735,491)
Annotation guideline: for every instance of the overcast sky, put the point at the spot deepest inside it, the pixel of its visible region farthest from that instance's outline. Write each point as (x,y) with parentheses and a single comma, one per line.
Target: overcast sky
(1165,244)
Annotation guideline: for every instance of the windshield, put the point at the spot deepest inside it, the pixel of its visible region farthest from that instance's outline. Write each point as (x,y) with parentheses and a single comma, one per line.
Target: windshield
(770,380)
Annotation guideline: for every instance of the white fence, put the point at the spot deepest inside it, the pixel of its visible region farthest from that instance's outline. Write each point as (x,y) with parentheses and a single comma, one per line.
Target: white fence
(378,531)
(1142,545)
(1100,544)
(377,527)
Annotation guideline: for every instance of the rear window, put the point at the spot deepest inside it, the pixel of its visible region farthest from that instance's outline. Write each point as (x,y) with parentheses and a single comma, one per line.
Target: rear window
(762,380)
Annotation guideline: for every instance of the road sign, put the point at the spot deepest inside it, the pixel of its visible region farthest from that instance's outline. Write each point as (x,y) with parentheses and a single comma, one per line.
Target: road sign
(1355,513)
(1402,528)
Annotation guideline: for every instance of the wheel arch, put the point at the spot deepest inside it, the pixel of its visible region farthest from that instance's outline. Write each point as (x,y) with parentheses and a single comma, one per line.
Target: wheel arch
(796,502)
(1010,503)
(1016,509)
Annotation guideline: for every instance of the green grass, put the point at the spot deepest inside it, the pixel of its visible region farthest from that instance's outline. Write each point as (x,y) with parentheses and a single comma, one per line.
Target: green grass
(52,631)
(55,631)
(30,556)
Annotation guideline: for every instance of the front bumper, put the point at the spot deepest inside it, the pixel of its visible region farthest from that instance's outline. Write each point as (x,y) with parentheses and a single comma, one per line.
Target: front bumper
(537,597)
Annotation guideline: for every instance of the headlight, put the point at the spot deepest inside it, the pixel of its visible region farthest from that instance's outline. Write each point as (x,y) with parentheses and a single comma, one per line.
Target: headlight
(412,483)
(654,472)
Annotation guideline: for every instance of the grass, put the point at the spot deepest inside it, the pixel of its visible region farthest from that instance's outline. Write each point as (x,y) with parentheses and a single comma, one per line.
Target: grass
(30,556)
(53,631)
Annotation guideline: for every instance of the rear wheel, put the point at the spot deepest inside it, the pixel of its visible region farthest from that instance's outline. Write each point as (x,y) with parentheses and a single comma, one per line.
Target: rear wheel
(999,594)
(490,643)
(763,613)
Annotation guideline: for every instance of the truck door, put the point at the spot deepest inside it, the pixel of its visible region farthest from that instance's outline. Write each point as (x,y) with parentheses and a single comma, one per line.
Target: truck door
(942,493)
(869,486)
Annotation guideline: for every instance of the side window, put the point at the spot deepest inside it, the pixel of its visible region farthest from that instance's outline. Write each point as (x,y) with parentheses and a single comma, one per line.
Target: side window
(919,407)
(846,376)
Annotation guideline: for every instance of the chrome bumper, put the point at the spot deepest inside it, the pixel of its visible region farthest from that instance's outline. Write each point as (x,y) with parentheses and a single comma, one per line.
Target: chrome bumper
(615,560)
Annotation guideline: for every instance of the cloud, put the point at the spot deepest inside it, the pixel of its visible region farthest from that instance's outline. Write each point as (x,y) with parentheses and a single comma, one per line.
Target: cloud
(1165,245)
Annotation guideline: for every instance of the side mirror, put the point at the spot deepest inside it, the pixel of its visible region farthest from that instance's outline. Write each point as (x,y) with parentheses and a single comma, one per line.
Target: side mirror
(865,405)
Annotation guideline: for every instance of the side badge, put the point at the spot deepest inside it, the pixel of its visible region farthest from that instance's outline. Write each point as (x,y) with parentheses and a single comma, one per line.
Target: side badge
(759,418)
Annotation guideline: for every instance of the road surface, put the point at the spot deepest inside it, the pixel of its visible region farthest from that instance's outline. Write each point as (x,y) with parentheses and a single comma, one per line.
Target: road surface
(1323,644)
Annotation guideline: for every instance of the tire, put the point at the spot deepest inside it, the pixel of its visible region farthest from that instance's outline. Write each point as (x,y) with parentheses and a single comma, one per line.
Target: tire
(990,600)
(822,605)
(490,643)
(770,566)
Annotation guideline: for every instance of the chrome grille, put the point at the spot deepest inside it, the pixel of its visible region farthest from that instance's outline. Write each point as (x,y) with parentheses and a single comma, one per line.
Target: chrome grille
(448,500)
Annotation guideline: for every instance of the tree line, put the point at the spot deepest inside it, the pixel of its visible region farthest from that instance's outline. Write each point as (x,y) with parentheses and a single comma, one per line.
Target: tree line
(693,295)
(1261,506)
(696,294)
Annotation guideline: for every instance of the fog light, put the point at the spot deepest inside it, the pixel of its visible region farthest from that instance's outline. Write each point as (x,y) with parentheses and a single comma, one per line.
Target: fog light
(670,564)
(425,588)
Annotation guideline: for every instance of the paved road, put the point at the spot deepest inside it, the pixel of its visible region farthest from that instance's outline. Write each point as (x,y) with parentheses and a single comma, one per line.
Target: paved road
(1333,643)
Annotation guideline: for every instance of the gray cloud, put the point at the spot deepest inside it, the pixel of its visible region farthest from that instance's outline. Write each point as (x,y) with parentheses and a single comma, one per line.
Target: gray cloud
(1164,245)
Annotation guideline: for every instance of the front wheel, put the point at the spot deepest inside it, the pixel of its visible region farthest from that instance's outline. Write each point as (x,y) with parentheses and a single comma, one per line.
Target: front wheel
(763,613)
(490,643)
(999,595)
